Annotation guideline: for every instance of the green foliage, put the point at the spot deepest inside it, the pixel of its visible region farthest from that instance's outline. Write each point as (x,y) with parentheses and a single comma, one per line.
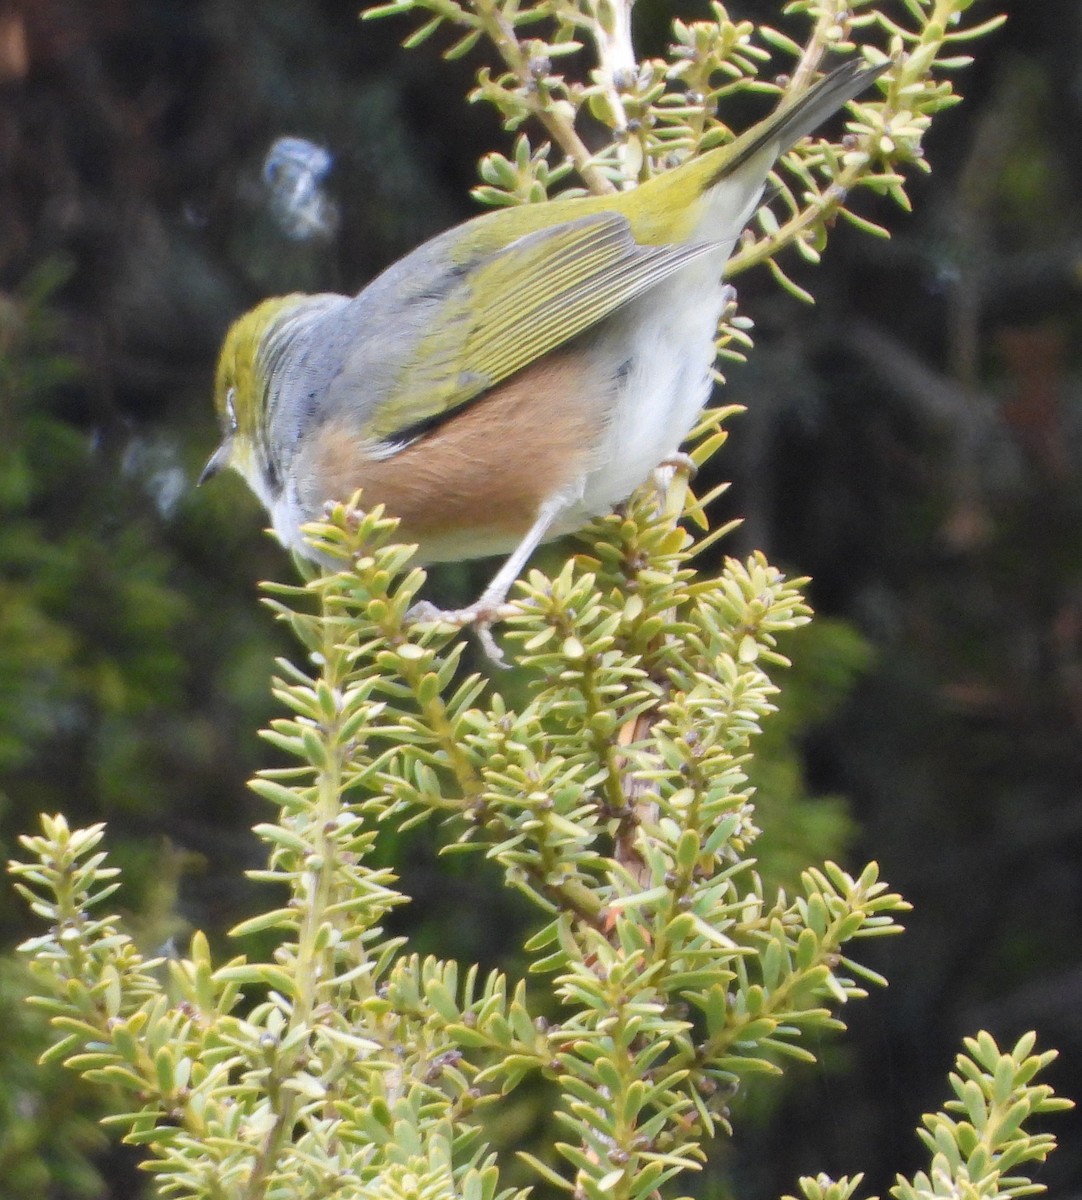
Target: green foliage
(112,654)
(828,657)
(48,1126)
(108,702)
(662,974)
(974,1158)
(615,797)
(994,1097)
(85,659)
(96,695)
(657,111)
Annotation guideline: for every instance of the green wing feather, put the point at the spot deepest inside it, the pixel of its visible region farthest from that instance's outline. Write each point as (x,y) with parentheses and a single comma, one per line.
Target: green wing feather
(511,306)
(518,305)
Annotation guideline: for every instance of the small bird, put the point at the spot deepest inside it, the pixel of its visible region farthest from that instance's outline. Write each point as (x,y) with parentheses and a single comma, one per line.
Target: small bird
(513,377)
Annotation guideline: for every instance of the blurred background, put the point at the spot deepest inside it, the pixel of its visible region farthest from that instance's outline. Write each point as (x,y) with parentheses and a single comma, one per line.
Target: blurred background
(912,443)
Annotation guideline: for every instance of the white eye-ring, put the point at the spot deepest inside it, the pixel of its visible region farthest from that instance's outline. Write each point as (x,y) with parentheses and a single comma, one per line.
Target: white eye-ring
(230,411)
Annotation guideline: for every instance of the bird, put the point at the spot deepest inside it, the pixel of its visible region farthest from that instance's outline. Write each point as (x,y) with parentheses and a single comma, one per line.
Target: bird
(516,375)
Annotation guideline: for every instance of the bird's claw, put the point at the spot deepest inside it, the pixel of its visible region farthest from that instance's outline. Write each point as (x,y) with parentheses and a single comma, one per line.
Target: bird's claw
(482,615)
(680,462)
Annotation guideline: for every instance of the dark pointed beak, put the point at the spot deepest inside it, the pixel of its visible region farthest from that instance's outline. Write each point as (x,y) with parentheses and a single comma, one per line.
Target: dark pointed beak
(218,461)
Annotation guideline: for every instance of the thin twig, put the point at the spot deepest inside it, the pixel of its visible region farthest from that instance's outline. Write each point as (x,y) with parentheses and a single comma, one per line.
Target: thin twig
(562,131)
(803,74)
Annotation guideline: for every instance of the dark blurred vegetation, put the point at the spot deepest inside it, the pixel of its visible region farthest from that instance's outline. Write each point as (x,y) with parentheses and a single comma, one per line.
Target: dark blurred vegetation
(913,443)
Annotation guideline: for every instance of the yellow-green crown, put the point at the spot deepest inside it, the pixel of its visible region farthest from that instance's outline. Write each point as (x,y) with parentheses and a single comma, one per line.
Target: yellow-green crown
(236,380)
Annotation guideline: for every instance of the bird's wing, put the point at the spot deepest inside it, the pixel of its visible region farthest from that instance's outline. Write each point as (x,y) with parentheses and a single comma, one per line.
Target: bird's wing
(485,321)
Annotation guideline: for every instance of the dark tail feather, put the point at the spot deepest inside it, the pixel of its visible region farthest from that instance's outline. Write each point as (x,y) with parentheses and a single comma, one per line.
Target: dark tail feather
(790,122)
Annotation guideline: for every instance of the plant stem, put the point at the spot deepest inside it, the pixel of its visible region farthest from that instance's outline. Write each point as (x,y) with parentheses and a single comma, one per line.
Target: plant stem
(308,969)
(560,129)
(808,64)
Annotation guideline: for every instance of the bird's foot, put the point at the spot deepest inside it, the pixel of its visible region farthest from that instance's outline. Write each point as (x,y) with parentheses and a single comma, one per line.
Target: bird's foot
(679,462)
(481,615)
(665,474)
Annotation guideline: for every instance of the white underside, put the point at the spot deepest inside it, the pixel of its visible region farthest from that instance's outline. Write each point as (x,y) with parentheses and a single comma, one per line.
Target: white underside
(669,336)
(673,330)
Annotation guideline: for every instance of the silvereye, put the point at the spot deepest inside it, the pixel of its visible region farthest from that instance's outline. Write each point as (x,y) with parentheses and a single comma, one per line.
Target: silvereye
(516,375)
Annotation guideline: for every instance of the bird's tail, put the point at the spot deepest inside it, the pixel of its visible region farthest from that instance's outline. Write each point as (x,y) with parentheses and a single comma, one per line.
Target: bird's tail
(792,121)
(714,194)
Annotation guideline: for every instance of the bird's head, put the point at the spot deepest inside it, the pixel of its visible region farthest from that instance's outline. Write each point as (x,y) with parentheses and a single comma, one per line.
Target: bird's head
(241,391)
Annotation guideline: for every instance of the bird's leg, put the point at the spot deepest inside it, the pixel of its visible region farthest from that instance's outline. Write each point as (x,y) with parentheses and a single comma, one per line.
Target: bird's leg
(670,499)
(490,606)
(677,461)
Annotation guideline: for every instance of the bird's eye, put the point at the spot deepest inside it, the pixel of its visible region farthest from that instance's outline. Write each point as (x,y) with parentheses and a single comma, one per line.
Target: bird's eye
(230,411)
